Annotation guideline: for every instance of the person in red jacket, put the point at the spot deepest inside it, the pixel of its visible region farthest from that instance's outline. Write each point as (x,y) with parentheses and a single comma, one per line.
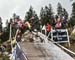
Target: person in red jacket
(48,28)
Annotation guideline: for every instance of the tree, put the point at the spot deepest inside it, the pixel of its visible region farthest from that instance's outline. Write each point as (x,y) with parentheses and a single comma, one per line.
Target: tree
(42,15)
(65,13)
(5,34)
(46,14)
(50,14)
(72,19)
(7,23)
(14,16)
(29,14)
(32,17)
(0,24)
(59,9)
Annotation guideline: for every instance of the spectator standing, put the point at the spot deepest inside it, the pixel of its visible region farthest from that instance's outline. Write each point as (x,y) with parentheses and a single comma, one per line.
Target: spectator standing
(48,28)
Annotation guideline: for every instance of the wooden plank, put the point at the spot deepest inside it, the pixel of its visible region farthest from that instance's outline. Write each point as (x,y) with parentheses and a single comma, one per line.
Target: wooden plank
(32,52)
(45,51)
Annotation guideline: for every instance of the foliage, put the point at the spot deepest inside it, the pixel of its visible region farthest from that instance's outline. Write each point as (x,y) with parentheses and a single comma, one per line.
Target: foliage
(46,14)
(32,17)
(72,19)
(59,9)
(65,13)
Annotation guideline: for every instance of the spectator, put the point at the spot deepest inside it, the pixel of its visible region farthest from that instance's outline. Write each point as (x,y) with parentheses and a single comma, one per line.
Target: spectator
(48,28)
(58,24)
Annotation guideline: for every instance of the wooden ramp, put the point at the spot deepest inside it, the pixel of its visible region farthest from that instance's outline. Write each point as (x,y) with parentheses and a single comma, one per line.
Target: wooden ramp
(44,51)
(33,52)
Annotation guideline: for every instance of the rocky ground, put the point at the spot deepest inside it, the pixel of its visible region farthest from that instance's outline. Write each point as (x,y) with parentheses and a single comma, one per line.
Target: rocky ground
(5,50)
